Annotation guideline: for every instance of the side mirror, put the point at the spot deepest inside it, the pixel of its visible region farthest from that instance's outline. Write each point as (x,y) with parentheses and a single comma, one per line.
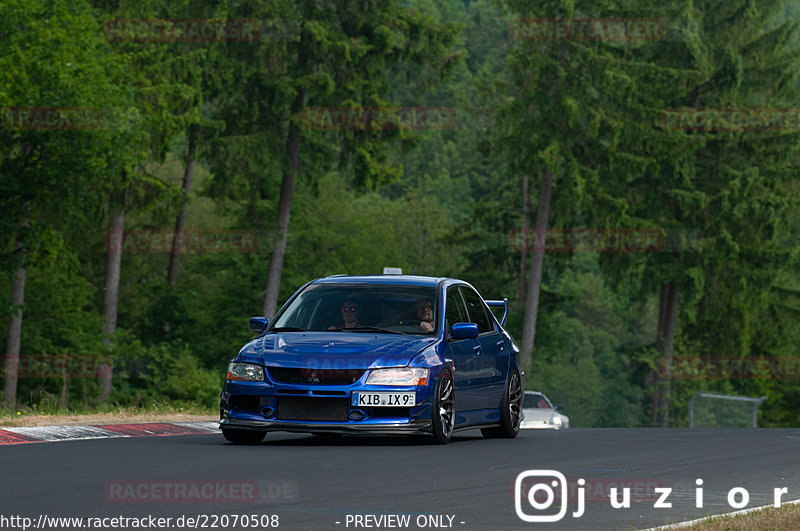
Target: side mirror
(465,331)
(558,407)
(258,324)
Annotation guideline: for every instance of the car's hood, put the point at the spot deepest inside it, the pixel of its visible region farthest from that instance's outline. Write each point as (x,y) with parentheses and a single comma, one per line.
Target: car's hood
(333,350)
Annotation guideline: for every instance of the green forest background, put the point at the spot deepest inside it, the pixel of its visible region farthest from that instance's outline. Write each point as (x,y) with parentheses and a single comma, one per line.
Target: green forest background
(439,202)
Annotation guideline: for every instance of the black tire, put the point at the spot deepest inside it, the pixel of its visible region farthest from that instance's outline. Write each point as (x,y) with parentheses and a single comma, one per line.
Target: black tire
(510,410)
(243,436)
(444,410)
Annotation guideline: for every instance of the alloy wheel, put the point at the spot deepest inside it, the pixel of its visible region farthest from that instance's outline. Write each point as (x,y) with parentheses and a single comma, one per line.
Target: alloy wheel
(515,401)
(446,407)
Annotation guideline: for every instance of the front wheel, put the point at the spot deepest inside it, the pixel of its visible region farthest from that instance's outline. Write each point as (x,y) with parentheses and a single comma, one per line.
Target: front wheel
(243,436)
(444,408)
(510,410)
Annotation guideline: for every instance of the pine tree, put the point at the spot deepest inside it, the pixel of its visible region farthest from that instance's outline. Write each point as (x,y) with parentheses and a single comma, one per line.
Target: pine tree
(573,103)
(721,186)
(340,56)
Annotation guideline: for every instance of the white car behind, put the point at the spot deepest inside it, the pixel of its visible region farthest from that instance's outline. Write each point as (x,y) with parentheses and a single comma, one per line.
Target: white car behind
(540,413)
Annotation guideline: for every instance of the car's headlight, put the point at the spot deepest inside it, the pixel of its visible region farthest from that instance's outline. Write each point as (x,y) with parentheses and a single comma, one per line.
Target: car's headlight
(245,371)
(404,376)
(556,420)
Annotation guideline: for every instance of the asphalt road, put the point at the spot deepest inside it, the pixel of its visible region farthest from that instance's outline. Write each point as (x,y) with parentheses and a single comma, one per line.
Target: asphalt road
(309,483)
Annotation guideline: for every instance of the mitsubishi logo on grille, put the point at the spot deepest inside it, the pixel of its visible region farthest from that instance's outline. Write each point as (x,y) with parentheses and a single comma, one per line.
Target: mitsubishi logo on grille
(312,378)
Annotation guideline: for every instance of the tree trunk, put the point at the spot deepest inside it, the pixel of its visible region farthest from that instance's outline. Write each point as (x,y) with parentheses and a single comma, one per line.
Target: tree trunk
(63,399)
(177,241)
(526,227)
(110,302)
(13,339)
(654,378)
(284,209)
(665,337)
(537,260)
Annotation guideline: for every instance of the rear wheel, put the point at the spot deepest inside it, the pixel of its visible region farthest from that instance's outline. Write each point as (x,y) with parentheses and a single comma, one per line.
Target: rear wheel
(243,436)
(510,410)
(444,408)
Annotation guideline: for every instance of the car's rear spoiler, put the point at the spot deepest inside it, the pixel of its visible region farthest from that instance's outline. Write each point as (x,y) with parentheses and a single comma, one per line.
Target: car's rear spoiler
(500,304)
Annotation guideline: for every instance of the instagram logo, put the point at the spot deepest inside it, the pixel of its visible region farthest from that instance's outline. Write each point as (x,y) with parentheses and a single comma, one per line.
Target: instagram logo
(538,491)
(536,488)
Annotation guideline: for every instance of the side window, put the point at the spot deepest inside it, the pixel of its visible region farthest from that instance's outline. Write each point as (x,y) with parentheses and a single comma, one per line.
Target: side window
(455,312)
(477,311)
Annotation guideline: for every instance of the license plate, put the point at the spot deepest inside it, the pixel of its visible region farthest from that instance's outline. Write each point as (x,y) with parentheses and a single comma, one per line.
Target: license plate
(384,399)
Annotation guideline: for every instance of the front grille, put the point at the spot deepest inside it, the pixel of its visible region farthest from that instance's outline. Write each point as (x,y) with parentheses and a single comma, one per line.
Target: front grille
(302,408)
(315,376)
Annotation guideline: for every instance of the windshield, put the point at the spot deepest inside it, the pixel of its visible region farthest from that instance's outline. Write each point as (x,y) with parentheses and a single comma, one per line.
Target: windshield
(536,401)
(353,308)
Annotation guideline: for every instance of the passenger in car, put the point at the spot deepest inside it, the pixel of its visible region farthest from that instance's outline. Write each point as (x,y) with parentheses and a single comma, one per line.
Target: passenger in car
(424,310)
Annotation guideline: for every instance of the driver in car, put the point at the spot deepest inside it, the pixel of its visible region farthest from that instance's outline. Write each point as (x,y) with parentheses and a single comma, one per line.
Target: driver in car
(424,310)
(350,310)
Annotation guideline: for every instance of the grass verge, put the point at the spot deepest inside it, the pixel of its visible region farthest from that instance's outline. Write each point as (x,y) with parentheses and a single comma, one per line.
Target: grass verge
(783,517)
(154,412)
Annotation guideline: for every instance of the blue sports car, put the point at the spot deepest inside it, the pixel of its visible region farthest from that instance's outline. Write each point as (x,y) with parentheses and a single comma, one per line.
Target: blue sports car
(384,354)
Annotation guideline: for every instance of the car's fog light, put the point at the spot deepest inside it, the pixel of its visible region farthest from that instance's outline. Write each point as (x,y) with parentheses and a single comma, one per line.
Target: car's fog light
(267,412)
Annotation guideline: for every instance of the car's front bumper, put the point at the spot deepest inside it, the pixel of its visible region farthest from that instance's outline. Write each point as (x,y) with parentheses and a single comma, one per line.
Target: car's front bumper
(259,406)
(388,428)
(540,425)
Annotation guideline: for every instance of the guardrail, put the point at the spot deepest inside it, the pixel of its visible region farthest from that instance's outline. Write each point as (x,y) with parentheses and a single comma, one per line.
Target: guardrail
(704,394)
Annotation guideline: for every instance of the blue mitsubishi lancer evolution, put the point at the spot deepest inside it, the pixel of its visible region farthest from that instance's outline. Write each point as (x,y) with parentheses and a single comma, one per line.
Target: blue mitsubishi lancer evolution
(388,354)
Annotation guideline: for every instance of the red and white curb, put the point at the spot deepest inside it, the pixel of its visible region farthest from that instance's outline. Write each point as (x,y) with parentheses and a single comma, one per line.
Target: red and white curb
(104,431)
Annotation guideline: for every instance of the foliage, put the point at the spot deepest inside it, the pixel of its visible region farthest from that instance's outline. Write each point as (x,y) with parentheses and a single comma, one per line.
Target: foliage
(589,335)
(434,202)
(53,56)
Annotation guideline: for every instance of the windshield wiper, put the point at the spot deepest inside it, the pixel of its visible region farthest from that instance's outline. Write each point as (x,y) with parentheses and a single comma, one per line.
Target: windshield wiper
(288,329)
(372,329)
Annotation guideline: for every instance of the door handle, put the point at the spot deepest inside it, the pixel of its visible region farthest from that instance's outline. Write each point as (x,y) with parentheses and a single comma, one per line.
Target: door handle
(476,348)
(501,345)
